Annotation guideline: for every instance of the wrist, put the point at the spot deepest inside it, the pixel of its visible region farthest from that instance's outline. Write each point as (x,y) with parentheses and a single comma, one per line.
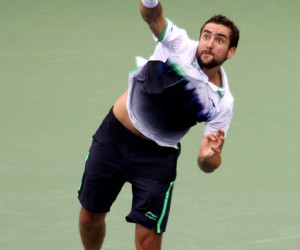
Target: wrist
(150,3)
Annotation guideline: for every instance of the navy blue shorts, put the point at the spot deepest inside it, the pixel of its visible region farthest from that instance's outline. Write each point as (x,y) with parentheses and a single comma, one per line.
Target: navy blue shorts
(117,156)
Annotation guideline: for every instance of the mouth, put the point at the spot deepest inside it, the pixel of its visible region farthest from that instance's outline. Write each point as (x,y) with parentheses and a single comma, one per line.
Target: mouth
(207,52)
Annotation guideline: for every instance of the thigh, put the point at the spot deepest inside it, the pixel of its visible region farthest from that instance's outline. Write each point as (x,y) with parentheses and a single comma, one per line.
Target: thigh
(151,204)
(102,179)
(152,175)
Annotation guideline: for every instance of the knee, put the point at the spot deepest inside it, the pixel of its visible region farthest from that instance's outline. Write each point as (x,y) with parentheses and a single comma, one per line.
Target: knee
(91,219)
(151,244)
(147,239)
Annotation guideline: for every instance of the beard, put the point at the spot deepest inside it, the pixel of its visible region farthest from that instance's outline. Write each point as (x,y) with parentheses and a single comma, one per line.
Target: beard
(210,64)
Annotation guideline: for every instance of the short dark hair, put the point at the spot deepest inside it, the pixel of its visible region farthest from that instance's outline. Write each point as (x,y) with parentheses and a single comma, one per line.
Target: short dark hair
(220,19)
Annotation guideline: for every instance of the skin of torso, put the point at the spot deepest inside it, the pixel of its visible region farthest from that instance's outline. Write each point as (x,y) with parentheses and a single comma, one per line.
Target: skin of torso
(121,113)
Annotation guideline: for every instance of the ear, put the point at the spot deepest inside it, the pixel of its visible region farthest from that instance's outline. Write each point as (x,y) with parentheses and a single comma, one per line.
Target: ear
(231,52)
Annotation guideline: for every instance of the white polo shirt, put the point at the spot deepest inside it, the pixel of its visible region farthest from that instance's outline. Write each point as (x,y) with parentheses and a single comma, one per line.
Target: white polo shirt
(175,45)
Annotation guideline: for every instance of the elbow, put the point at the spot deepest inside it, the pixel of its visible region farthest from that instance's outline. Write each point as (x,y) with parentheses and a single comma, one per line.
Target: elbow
(150,15)
(154,18)
(206,168)
(209,165)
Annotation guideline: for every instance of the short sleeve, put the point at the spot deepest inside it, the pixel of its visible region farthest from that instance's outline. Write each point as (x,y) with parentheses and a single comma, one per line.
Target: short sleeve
(175,43)
(221,121)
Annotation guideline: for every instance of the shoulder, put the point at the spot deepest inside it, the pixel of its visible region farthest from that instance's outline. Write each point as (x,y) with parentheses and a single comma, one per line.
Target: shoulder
(175,43)
(172,33)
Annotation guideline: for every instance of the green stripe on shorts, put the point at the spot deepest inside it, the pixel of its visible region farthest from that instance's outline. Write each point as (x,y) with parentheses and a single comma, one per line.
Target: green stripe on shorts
(166,202)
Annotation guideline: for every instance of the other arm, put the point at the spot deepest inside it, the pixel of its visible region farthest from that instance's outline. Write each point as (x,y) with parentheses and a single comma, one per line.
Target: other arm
(209,157)
(153,16)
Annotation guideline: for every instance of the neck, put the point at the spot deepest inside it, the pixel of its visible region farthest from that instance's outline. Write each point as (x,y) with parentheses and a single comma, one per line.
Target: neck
(214,75)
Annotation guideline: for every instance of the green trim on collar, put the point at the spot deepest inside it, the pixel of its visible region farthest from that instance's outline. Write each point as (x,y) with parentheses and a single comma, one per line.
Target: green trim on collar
(220,93)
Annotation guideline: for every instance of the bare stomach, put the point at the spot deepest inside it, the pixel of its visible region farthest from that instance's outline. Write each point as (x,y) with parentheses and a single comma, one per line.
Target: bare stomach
(121,113)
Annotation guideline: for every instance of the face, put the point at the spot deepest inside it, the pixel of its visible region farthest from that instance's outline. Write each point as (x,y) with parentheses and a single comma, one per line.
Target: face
(213,47)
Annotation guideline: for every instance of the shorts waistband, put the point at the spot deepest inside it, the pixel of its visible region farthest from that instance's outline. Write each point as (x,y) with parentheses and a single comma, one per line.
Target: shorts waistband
(126,132)
(122,132)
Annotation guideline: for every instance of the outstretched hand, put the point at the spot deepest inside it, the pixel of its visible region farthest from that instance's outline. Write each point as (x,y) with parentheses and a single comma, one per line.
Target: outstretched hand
(210,151)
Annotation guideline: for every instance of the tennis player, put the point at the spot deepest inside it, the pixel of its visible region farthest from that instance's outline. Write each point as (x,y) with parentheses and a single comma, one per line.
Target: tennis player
(182,84)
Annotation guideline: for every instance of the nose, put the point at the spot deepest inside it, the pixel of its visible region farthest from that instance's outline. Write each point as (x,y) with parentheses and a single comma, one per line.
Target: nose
(209,43)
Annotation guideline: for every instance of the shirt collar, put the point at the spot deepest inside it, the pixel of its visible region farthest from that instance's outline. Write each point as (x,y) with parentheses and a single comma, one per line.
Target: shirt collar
(213,87)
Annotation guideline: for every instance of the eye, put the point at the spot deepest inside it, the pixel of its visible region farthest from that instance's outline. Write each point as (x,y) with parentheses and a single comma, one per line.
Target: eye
(206,37)
(220,40)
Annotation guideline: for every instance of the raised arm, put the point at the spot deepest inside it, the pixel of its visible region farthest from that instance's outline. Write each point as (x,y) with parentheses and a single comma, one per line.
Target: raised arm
(152,13)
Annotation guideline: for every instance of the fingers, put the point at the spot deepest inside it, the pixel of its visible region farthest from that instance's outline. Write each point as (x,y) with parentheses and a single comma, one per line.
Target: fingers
(219,141)
(219,136)
(221,133)
(216,150)
(211,137)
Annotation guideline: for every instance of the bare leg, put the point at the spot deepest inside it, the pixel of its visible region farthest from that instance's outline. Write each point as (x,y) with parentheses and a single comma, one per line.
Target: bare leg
(147,239)
(92,229)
